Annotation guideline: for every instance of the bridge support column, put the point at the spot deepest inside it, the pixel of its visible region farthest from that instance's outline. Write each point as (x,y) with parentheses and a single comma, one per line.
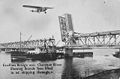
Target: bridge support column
(69,52)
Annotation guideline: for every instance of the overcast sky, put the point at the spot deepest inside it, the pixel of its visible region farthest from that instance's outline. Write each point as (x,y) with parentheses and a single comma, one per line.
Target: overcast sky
(88,16)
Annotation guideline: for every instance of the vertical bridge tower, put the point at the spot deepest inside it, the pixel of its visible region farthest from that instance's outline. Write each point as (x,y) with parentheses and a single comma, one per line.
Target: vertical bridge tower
(67,31)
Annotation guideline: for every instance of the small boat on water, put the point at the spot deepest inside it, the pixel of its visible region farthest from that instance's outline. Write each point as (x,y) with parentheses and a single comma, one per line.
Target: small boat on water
(35,55)
(45,54)
(117,54)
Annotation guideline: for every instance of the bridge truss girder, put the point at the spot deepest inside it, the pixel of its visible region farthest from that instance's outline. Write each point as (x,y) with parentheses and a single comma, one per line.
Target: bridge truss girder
(42,43)
(93,40)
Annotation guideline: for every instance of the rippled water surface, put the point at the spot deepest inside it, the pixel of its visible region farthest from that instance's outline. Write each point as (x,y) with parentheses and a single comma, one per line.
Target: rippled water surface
(102,65)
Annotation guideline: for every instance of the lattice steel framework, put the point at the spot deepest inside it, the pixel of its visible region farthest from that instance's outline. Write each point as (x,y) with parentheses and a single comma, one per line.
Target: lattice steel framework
(41,43)
(97,39)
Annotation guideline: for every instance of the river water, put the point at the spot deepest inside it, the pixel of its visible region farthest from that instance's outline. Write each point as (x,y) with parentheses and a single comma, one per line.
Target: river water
(69,68)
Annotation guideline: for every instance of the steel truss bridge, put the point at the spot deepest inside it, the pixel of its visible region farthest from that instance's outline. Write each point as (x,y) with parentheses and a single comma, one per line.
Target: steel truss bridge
(31,44)
(108,39)
(74,40)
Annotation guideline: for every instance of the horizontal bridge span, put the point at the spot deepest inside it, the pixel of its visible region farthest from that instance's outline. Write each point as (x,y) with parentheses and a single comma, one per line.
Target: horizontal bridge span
(106,39)
(41,43)
(116,32)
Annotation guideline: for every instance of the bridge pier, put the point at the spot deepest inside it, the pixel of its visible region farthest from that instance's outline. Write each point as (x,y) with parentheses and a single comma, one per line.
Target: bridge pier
(69,52)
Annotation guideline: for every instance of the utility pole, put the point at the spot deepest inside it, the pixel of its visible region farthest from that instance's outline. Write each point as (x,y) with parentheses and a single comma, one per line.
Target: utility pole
(20,41)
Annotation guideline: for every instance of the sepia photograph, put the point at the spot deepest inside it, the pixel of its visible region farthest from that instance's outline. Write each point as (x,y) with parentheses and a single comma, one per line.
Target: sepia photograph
(59,39)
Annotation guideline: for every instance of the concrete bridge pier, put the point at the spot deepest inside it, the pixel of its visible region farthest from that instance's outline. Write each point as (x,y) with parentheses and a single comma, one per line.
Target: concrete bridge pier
(69,52)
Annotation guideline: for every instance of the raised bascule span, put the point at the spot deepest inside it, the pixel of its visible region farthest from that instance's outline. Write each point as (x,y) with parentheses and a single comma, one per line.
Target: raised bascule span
(75,40)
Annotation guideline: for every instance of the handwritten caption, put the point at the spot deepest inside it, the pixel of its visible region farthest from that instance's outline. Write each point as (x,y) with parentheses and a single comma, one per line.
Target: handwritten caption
(27,69)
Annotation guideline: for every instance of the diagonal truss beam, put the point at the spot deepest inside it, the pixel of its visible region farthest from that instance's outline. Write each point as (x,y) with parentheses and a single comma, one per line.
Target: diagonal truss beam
(41,43)
(97,39)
